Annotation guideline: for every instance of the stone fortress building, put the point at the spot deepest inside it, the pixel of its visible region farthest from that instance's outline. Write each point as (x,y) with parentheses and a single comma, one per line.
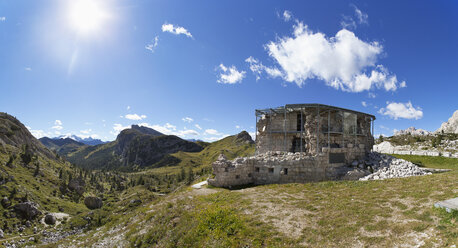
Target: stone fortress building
(300,143)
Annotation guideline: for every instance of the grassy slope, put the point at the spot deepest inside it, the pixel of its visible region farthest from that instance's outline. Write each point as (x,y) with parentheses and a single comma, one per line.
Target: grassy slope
(229,146)
(388,213)
(39,189)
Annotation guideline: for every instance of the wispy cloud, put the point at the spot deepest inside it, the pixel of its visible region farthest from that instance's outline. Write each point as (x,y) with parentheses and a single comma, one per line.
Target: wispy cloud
(187,119)
(359,17)
(177,30)
(117,128)
(57,125)
(287,15)
(230,75)
(135,117)
(198,127)
(2,18)
(152,45)
(28,68)
(401,110)
(364,104)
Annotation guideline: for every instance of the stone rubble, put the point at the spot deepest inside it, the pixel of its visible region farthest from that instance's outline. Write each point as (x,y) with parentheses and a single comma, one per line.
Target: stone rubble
(385,166)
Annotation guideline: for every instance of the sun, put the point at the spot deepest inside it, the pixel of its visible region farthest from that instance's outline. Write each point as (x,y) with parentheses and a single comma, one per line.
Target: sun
(87,16)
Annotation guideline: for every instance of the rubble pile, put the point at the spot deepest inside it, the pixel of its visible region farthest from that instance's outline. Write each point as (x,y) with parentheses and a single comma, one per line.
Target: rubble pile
(385,166)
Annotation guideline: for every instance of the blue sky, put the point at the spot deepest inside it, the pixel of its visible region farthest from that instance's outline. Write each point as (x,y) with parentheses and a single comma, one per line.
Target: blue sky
(198,69)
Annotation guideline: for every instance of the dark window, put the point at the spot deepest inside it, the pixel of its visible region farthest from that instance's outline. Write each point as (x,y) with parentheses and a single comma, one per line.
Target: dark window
(285,171)
(300,122)
(225,169)
(237,176)
(256,169)
(271,170)
(249,174)
(336,158)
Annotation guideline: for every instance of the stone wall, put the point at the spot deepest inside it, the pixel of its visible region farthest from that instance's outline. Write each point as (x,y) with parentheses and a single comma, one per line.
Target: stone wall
(282,167)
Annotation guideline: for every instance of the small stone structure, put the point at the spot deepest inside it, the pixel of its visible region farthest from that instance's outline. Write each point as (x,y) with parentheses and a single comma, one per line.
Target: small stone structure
(300,143)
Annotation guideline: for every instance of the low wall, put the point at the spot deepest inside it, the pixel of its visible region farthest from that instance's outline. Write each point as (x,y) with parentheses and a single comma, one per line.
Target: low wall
(280,167)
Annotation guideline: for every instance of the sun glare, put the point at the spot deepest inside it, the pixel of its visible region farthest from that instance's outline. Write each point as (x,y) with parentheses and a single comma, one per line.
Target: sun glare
(87,16)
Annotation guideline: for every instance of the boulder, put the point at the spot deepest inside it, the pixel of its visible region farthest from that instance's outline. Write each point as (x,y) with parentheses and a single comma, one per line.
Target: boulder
(1,234)
(77,185)
(6,203)
(93,202)
(50,219)
(27,210)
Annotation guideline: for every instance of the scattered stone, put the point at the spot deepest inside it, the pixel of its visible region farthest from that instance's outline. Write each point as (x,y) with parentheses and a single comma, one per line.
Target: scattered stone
(385,166)
(27,210)
(28,224)
(136,202)
(93,202)
(1,234)
(50,219)
(77,185)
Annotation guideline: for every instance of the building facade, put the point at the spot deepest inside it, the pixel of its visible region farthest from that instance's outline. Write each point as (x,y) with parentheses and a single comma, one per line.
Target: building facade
(300,143)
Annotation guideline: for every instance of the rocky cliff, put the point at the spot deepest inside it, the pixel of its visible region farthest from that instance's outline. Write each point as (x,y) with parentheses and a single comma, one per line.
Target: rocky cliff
(412,131)
(451,126)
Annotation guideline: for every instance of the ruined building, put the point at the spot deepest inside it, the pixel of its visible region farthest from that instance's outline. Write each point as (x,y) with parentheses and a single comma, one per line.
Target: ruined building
(300,143)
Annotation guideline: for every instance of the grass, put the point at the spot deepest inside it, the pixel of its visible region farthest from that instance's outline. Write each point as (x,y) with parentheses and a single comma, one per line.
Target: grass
(430,161)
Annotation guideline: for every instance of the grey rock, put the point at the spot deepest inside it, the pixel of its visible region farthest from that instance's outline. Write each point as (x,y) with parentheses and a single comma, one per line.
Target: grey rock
(93,202)
(50,219)
(27,210)
(6,203)
(1,234)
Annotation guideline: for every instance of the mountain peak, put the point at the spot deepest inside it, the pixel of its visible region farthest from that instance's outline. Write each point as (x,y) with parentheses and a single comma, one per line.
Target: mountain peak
(146,130)
(451,126)
(244,137)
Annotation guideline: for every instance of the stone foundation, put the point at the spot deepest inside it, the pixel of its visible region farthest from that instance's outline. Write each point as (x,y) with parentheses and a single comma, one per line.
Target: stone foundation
(282,167)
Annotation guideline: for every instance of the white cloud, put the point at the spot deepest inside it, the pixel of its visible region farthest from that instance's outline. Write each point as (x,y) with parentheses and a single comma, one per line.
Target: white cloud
(372,95)
(287,15)
(362,17)
(87,131)
(135,117)
(230,75)
(2,18)
(401,110)
(37,133)
(212,132)
(166,27)
(347,22)
(364,104)
(403,84)
(344,61)
(237,126)
(28,68)
(117,128)
(198,127)
(128,107)
(215,138)
(57,125)
(153,44)
(187,119)
(170,129)
(258,68)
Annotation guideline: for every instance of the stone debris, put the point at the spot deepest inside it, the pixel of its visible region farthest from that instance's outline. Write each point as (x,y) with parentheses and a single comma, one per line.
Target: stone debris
(385,166)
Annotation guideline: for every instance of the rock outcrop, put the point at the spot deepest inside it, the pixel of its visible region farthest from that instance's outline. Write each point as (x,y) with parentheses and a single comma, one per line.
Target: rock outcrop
(412,131)
(244,137)
(27,210)
(451,126)
(93,202)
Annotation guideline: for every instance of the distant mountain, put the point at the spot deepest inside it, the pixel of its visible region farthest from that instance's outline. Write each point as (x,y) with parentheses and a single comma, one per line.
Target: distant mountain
(87,141)
(451,126)
(412,131)
(136,147)
(61,146)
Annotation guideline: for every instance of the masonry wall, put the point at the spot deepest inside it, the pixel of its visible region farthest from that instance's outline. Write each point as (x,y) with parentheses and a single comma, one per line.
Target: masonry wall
(287,168)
